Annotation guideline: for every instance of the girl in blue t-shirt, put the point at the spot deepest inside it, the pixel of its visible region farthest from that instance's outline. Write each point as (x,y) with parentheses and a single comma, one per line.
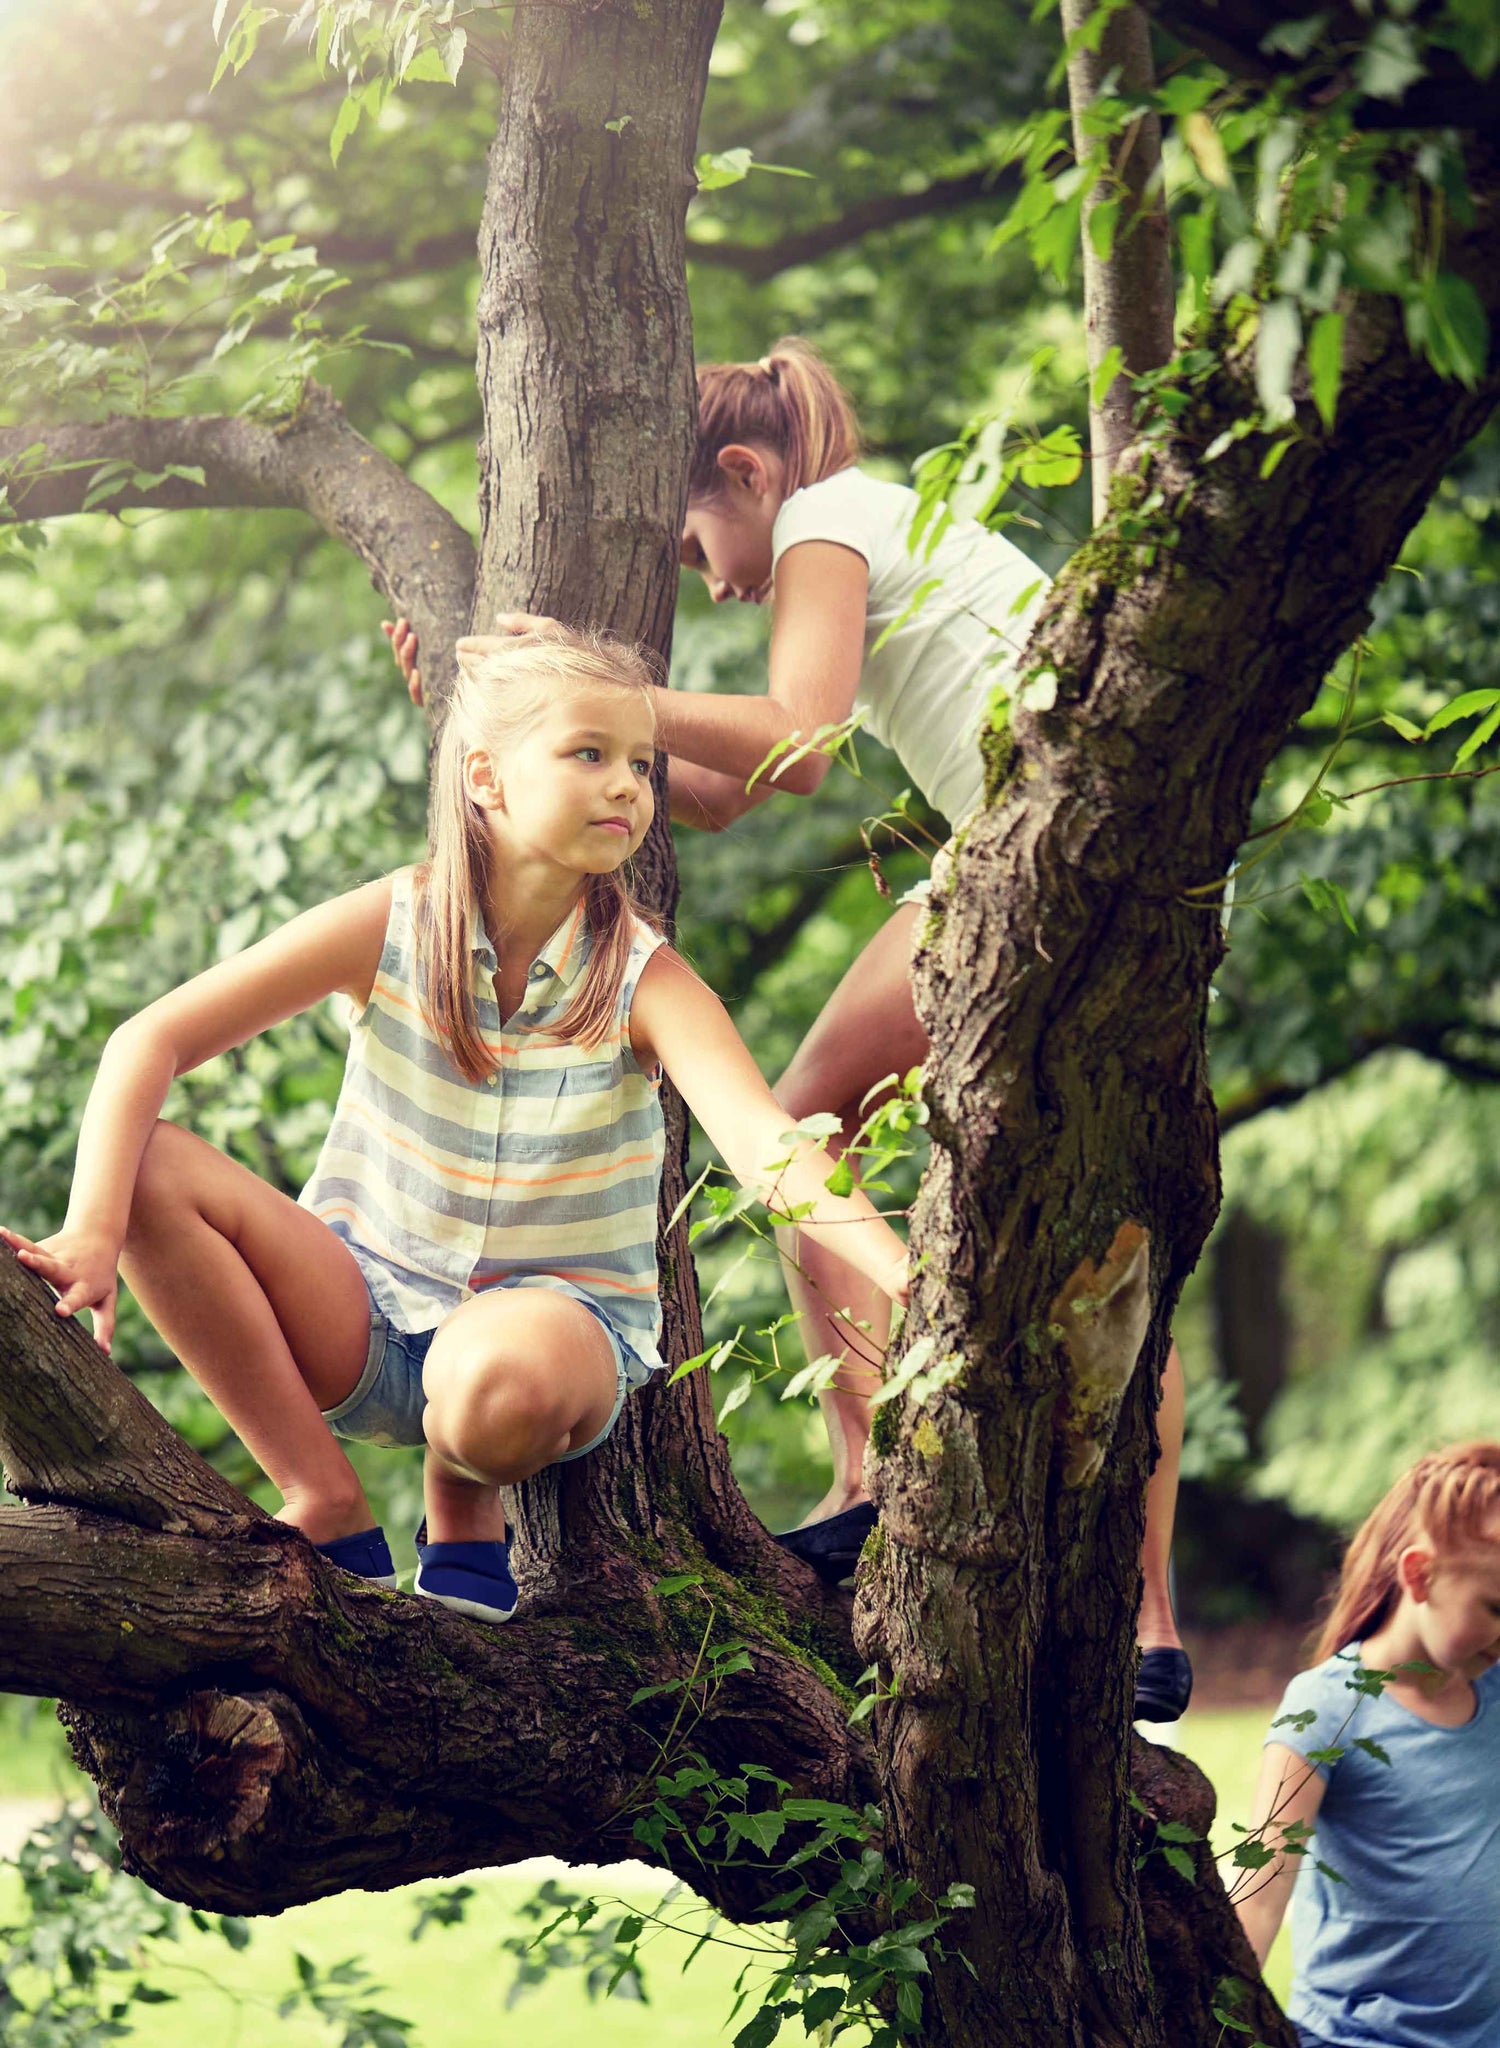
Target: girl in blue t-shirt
(915,640)
(1387,1753)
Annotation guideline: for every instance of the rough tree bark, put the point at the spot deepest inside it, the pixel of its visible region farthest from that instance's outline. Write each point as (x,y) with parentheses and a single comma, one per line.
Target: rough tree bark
(1064,980)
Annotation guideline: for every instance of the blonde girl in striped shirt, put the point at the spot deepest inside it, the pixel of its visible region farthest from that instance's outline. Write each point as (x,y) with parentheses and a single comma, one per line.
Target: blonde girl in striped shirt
(473,1264)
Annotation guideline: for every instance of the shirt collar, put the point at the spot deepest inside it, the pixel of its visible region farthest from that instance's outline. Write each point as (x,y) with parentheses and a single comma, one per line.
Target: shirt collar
(561,959)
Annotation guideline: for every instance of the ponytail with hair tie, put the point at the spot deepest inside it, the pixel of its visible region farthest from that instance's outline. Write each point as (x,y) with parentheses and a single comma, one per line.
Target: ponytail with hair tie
(788,402)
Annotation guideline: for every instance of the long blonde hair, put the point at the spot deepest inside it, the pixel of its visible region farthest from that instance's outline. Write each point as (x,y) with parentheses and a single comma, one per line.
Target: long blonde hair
(1448,1498)
(790,402)
(498,698)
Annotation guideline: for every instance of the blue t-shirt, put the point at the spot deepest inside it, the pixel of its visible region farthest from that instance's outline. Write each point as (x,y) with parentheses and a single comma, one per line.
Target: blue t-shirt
(1405,1952)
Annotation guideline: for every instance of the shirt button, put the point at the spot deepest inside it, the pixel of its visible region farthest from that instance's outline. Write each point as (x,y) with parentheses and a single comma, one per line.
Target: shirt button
(492,1080)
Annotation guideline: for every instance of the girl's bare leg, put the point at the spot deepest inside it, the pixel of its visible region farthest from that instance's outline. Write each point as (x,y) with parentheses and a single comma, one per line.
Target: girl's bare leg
(866,1031)
(513,1380)
(1157,1626)
(265,1307)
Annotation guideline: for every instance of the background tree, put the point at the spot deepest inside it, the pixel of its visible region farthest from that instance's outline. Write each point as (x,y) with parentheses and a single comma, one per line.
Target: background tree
(666,1498)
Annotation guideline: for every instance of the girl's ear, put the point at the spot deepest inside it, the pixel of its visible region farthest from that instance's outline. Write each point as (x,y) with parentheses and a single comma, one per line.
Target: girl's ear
(1414,1572)
(481,782)
(745,468)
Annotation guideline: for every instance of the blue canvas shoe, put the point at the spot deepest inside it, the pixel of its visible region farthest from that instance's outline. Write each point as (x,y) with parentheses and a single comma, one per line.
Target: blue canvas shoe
(471,1578)
(367,1555)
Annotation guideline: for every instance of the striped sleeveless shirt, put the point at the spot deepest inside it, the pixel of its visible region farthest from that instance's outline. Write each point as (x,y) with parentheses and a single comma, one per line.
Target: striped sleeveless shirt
(547,1172)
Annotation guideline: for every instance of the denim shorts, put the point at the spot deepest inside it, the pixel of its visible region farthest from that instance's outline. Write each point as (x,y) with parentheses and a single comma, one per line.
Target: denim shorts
(386,1404)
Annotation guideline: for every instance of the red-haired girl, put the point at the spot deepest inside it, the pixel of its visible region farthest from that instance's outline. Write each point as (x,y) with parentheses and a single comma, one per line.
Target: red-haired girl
(1386,1756)
(473,1264)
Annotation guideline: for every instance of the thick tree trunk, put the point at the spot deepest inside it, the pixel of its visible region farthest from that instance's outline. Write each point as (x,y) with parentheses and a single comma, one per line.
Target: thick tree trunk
(1064,981)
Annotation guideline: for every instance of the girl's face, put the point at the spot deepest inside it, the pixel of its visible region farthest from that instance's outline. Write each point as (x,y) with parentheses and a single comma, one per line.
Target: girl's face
(727,539)
(1455,1605)
(576,787)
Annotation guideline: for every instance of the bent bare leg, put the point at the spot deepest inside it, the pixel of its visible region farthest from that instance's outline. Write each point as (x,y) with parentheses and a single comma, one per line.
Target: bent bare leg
(266,1308)
(514,1380)
(866,1031)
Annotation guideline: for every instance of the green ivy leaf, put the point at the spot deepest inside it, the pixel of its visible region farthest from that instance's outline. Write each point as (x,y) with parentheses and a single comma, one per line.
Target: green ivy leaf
(1325,364)
(728,167)
(1111,363)
(1103,224)
(1390,61)
(1457,323)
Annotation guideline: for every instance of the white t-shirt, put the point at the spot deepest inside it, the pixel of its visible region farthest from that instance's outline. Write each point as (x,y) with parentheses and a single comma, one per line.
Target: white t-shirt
(925,693)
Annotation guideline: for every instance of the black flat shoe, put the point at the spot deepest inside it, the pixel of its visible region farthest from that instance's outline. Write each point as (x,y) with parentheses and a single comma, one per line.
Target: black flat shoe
(1163,1685)
(832,1546)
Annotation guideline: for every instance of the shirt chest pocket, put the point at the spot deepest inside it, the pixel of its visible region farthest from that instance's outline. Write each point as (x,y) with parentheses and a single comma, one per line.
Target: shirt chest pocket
(560,1102)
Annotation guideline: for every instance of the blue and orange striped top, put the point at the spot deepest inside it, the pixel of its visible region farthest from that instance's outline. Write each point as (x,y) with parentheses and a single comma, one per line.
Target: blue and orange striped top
(548,1171)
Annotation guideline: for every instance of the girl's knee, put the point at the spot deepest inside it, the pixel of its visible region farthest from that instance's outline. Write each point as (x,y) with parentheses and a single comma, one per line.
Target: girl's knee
(163,1181)
(494,1416)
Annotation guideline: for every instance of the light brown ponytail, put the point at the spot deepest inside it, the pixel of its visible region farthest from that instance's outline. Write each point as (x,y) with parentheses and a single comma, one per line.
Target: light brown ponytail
(499,696)
(790,402)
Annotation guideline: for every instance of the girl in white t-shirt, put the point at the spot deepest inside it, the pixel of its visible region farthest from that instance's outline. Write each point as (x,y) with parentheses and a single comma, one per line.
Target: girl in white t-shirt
(777,506)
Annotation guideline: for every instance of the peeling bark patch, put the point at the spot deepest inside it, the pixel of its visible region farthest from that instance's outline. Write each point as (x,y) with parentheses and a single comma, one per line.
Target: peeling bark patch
(1100,1317)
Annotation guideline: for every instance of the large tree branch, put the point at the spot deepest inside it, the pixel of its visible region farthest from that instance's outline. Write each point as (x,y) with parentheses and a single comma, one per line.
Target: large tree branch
(266,1728)
(1430,1040)
(418,556)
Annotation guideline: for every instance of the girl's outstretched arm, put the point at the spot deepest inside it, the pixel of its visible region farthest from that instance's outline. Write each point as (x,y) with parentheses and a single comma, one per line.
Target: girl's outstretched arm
(677,1020)
(1287,1796)
(817,651)
(334,948)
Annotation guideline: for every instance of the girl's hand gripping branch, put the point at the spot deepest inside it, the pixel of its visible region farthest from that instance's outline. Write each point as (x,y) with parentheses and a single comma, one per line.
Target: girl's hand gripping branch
(678,1021)
(81,1265)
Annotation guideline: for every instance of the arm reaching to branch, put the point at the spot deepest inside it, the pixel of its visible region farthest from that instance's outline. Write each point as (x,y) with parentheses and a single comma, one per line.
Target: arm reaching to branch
(331,948)
(817,651)
(677,1020)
